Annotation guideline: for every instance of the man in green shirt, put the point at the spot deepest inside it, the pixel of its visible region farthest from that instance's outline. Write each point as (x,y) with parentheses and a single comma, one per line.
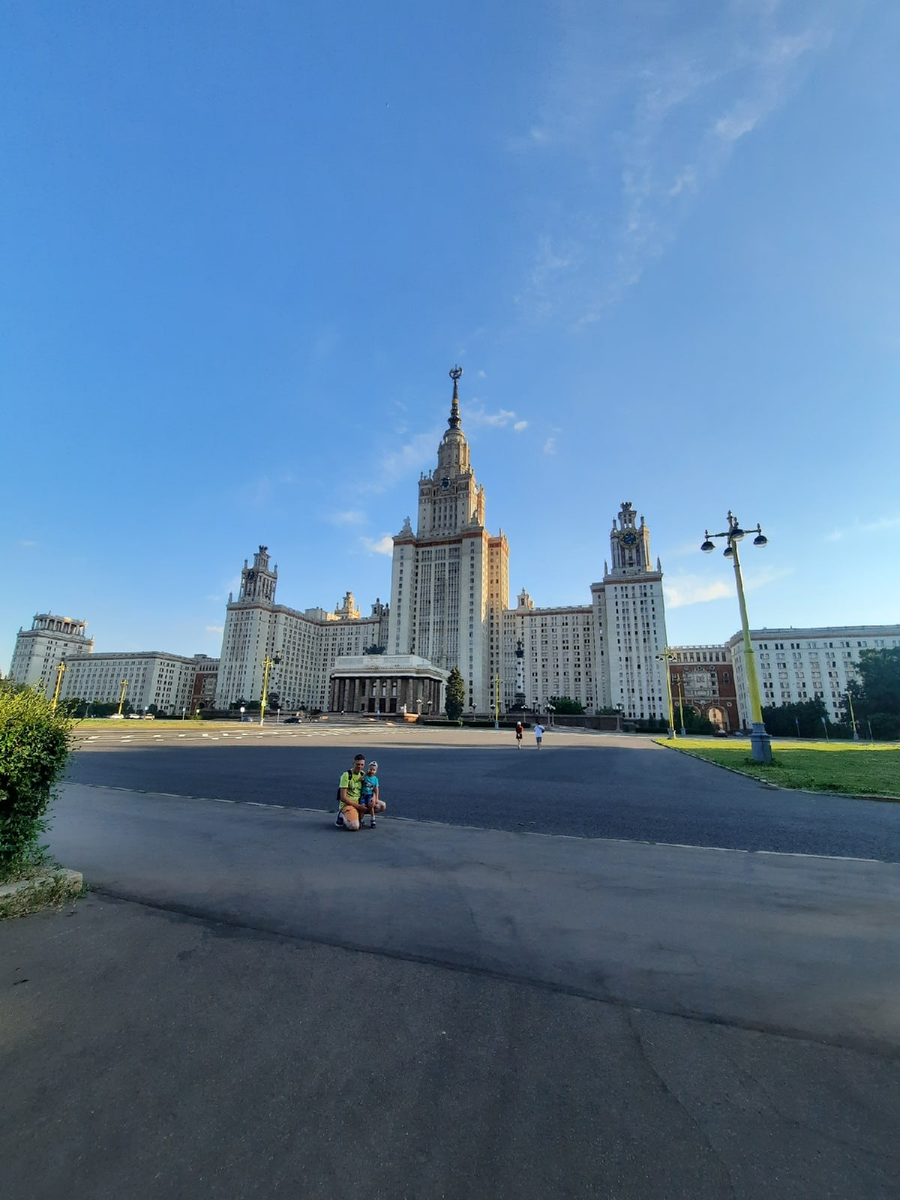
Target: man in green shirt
(351,786)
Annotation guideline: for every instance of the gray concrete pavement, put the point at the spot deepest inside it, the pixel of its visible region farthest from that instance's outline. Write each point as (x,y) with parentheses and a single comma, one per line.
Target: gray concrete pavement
(589,785)
(157,1056)
(802,946)
(552,1016)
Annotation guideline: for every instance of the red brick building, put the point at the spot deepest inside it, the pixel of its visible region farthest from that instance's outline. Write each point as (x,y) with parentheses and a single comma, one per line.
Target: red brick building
(703,681)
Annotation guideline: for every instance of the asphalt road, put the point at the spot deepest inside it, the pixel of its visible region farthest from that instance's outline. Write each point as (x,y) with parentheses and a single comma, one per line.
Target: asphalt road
(604,788)
(254,1004)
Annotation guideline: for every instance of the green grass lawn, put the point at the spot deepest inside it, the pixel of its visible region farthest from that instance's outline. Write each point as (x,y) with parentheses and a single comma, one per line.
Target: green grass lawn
(857,768)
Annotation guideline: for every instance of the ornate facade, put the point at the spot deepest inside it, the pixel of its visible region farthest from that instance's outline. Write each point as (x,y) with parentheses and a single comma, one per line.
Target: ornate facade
(305,644)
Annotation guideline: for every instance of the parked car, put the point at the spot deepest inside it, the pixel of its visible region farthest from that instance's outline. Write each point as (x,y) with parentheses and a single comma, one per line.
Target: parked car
(246,720)
(291,721)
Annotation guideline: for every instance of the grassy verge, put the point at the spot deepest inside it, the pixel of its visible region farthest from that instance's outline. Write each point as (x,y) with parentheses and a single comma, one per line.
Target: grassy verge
(50,888)
(855,768)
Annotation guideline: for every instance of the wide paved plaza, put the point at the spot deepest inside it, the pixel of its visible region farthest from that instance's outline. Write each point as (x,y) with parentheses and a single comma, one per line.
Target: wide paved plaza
(597,969)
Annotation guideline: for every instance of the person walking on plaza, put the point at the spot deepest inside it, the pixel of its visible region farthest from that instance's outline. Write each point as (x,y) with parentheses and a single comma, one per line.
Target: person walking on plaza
(538,734)
(520,729)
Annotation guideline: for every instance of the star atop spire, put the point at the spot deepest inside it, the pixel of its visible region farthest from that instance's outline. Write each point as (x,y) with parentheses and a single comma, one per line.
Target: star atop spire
(454,421)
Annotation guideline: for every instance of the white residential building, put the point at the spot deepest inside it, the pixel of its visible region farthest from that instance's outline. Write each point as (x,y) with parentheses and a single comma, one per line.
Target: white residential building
(805,664)
(306,643)
(150,677)
(40,649)
(606,654)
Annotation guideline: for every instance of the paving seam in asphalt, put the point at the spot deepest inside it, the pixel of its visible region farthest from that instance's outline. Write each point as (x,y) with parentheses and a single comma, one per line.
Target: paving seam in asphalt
(873,1049)
(557,837)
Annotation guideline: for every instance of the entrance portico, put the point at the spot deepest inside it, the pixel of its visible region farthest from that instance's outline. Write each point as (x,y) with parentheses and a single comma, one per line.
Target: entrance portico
(386,684)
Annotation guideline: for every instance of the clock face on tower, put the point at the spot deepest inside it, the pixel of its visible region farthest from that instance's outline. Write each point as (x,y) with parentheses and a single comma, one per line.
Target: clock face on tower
(628,539)
(445,483)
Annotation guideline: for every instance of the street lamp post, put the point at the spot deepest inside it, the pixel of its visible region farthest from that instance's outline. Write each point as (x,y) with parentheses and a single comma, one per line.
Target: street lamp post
(59,674)
(268,663)
(680,704)
(852,716)
(666,656)
(496,701)
(122,695)
(760,741)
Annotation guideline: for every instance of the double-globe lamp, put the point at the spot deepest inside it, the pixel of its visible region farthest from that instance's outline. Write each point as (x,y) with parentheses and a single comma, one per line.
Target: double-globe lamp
(760,742)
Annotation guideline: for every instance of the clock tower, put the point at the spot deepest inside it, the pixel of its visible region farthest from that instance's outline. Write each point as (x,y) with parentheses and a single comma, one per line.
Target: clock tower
(630,622)
(258,582)
(629,543)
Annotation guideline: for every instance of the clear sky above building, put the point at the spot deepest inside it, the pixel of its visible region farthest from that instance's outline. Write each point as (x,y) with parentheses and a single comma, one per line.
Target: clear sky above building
(243,244)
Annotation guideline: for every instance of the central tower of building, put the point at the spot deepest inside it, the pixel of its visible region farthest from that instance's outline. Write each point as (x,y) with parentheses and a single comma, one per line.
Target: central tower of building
(450,579)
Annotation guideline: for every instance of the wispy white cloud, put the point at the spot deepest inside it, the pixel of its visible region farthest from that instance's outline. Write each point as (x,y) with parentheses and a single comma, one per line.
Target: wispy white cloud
(760,577)
(27,542)
(550,446)
(673,109)
(882,524)
(382,545)
(230,587)
(416,454)
(863,529)
(683,549)
(348,517)
(265,489)
(214,628)
(682,590)
(520,425)
(475,416)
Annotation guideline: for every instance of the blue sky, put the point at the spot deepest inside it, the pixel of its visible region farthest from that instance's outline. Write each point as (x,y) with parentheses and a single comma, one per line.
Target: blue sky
(242,244)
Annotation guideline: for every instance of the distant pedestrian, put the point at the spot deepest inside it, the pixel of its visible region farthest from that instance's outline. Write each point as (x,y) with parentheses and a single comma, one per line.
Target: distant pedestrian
(520,729)
(538,734)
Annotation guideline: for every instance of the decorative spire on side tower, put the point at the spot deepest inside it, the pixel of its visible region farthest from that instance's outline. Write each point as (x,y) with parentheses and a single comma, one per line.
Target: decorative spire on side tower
(454,421)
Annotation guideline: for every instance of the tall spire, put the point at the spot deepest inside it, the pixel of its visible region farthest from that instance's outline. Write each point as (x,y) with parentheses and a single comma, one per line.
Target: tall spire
(454,422)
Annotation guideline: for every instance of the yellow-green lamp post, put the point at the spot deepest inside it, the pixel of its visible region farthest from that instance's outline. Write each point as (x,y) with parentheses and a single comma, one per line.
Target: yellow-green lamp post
(268,663)
(760,741)
(122,695)
(678,679)
(59,674)
(667,656)
(852,716)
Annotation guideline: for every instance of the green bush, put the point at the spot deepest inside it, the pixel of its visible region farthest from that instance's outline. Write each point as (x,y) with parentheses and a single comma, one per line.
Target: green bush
(34,749)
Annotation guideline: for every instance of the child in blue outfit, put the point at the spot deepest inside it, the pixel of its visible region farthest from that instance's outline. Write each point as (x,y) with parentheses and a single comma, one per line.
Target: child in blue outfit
(370,790)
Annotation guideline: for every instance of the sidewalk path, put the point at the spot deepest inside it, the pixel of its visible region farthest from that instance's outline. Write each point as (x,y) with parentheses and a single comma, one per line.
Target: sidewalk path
(491,1014)
(794,944)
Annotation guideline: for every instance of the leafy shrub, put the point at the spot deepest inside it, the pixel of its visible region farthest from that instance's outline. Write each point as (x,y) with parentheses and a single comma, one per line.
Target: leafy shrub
(34,749)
